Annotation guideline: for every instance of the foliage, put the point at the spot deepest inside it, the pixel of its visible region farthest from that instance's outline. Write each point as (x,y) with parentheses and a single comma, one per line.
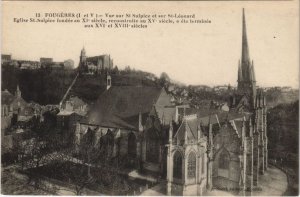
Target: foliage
(283,127)
(44,86)
(164,79)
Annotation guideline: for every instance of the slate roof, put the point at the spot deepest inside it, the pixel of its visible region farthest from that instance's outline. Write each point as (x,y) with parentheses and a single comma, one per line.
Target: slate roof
(119,106)
(191,126)
(168,114)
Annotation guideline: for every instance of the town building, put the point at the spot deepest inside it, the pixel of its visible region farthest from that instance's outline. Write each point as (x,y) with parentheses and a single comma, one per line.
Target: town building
(46,60)
(27,64)
(94,65)
(71,111)
(5,58)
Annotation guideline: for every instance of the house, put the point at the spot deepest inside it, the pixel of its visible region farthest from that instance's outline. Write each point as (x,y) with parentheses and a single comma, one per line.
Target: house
(12,106)
(5,58)
(26,64)
(71,111)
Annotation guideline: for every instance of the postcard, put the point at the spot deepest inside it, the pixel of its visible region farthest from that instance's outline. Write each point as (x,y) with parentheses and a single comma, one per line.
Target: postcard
(150,98)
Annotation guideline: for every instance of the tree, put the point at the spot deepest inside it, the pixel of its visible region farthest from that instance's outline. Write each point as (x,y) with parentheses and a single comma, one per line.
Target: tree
(164,79)
(115,70)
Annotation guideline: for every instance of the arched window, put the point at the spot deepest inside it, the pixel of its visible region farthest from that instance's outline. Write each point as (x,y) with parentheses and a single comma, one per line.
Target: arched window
(131,145)
(177,165)
(192,165)
(107,144)
(224,160)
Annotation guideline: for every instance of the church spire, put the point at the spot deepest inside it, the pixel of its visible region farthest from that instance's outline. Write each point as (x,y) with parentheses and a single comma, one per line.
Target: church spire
(245,49)
(240,74)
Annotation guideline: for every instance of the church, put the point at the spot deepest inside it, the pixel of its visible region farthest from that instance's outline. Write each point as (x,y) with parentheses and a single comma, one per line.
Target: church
(94,65)
(193,150)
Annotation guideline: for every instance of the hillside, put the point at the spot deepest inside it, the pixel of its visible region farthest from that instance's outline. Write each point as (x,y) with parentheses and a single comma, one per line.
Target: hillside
(48,86)
(89,87)
(43,86)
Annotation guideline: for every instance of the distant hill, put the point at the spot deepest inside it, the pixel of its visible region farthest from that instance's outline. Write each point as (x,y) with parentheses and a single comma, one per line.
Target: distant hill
(48,86)
(89,87)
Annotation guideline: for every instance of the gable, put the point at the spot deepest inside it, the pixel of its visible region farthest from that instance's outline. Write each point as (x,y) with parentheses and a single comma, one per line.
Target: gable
(227,137)
(162,101)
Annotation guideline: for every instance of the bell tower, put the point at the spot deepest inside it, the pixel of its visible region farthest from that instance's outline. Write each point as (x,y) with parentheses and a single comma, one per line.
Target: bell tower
(82,55)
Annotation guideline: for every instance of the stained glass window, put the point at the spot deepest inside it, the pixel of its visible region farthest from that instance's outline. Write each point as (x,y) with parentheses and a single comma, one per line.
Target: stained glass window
(177,165)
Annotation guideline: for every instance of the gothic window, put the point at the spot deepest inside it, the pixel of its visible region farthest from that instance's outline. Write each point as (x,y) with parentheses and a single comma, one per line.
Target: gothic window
(177,165)
(224,160)
(107,144)
(192,165)
(131,145)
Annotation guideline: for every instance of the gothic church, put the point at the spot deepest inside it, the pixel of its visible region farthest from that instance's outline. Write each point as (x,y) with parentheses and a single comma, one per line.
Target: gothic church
(193,150)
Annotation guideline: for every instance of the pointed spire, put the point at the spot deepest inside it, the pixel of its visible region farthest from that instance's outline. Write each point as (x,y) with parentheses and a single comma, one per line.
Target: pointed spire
(83,51)
(245,49)
(240,74)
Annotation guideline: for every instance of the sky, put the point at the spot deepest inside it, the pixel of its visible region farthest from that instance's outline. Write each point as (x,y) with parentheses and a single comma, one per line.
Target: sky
(196,54)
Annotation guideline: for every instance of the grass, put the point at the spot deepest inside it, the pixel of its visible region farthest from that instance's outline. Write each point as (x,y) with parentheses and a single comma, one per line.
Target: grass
(106,181)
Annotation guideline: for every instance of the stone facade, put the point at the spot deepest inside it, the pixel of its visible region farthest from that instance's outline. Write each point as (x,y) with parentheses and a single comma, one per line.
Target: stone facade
(186,159)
